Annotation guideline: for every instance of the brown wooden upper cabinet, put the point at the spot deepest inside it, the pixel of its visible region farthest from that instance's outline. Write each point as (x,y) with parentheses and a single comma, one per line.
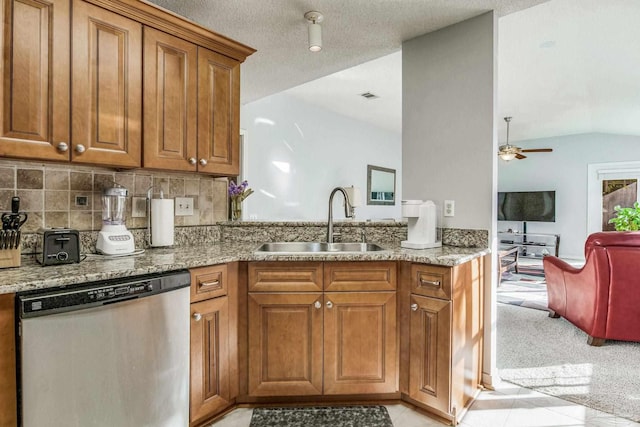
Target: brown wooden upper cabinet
(191,107)
(39,66)
(34,94)
(170,102)
(82,101)
(106,89)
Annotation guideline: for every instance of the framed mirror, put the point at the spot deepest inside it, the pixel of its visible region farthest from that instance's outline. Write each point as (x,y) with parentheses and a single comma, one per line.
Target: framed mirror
(381,186)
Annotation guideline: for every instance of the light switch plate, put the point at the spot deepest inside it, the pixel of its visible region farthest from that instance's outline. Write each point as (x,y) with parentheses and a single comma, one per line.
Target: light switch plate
(449,208)
(139,207)
(184,206)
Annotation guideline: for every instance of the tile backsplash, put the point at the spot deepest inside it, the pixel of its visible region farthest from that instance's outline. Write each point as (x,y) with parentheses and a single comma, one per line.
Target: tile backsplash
(56,195)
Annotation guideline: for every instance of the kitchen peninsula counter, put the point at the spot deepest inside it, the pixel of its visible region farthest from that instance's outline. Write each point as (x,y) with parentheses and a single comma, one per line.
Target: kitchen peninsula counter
(32,275)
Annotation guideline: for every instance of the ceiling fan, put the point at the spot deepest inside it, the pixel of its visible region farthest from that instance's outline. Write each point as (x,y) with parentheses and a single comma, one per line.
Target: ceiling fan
(509,152)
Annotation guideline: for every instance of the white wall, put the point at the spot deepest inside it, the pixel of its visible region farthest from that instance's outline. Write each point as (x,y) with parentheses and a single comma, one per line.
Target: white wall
(565,171)
(449,145)
(448,120)
(296,153)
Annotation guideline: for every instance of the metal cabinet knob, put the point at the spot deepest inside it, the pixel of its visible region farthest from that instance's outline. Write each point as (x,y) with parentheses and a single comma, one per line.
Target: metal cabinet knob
(62,146)
(317,304)
(197,316)
(80,148)
(192,160)
(203,162)
(329,304)
(414,307)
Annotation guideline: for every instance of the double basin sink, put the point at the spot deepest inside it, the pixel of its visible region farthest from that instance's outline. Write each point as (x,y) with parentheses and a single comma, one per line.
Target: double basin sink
(317,247)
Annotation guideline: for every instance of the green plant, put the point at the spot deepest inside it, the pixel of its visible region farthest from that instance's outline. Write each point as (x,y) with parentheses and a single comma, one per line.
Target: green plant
(627,219)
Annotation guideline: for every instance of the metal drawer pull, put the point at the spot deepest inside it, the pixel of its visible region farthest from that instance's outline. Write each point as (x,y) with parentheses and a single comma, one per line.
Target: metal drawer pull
(192,160)
(414,307)
(329,304)
(430,282)
(63,146)
(197,316)
(207,284)
(317,304)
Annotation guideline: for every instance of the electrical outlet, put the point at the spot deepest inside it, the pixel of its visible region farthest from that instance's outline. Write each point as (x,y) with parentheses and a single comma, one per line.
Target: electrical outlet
(139,207)
(184,206)
(449,208)
(82,201)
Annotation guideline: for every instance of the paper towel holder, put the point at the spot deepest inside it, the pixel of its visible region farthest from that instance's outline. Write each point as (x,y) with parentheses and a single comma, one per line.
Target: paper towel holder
(150,239)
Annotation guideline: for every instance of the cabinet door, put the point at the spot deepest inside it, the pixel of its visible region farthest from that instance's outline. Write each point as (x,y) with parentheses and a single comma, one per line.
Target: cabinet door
(8,408)
(209,358)
(170,103)
(106,92)
(285,344)
(218,113)
(430,352)
(360,343)
(34,112)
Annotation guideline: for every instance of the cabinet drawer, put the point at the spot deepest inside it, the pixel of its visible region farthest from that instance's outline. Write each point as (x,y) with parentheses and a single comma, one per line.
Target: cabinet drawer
(285,277)
(360,276)
(431,281)
(208,282)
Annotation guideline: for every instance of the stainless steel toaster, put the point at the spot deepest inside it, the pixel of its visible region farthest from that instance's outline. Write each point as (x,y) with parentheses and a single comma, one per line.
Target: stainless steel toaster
(58,246)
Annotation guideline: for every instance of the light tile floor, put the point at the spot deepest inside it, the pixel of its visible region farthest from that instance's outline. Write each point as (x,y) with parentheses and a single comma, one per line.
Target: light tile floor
(506,406)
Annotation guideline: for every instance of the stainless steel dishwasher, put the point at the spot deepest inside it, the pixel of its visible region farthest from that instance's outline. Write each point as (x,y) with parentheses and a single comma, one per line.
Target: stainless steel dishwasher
(112,353)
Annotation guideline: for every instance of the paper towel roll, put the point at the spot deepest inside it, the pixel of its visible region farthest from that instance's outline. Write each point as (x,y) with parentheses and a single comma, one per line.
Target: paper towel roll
(162,222)
(355,196)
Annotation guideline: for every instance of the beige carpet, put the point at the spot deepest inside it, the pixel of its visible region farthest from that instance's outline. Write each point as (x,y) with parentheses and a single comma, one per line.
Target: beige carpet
(552,356)
(523,290)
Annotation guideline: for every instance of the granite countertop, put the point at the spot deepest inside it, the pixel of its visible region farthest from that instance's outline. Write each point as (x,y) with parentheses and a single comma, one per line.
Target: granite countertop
(31,275)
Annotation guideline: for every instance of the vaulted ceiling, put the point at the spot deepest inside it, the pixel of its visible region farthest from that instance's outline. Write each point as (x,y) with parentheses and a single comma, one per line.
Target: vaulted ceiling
(564,66)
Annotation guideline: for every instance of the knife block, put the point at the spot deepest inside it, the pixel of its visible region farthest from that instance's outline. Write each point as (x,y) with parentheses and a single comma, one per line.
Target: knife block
(9,258)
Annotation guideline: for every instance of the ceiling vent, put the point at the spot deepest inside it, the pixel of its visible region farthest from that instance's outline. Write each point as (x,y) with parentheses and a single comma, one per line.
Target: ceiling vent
(369,95)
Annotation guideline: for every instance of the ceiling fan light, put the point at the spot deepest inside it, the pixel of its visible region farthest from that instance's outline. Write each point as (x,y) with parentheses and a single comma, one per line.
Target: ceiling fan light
(507,156)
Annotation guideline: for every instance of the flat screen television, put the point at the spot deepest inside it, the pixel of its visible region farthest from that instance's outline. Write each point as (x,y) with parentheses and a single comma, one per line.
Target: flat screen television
(527,206)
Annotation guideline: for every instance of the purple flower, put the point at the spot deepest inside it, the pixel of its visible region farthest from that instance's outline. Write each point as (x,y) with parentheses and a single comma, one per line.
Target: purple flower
(239,191)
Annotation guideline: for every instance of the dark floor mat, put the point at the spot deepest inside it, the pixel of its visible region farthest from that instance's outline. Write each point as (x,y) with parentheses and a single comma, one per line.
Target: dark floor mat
(338,416)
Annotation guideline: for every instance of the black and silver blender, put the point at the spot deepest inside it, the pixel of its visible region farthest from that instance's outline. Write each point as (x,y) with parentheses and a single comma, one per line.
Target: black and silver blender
(114,238)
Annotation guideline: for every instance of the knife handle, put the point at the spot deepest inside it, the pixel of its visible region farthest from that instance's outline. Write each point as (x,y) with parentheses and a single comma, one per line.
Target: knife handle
(15,204)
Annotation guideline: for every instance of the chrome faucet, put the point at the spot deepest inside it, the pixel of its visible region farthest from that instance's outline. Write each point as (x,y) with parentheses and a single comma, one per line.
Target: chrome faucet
(348,211)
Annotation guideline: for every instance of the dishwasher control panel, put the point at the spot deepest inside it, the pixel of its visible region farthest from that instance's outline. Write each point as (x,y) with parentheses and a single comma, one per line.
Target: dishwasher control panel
(117,291)
(63,299)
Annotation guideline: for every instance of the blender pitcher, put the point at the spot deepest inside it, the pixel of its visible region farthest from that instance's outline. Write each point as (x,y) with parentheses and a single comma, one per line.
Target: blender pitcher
(114,238)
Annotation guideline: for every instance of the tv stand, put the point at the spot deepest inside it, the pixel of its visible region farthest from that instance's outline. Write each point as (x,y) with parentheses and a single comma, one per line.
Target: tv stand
(530,245)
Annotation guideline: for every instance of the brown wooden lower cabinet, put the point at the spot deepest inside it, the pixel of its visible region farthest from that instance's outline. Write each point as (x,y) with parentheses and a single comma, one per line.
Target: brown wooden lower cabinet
(214,366)
(360,343)
(285,344)
(8,408)
(444,338)
(430,352)
(209,358)
(303,343)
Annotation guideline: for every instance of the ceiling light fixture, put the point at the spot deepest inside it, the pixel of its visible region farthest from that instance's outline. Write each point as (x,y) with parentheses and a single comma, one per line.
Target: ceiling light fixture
(507,151)
(315,30)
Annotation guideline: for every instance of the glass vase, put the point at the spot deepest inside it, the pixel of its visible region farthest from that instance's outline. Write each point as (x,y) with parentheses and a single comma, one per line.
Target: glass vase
(236,209)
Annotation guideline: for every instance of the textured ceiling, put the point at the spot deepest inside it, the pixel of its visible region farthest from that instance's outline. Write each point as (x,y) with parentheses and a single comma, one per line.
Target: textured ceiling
(570,67)
(354,31)
(564,66)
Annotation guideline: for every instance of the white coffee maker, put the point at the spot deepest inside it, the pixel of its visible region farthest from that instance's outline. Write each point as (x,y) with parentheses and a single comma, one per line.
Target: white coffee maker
(114,238)
(423,229)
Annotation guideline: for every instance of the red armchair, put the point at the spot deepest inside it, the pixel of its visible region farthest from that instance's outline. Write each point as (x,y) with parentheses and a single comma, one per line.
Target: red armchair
(603,297)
